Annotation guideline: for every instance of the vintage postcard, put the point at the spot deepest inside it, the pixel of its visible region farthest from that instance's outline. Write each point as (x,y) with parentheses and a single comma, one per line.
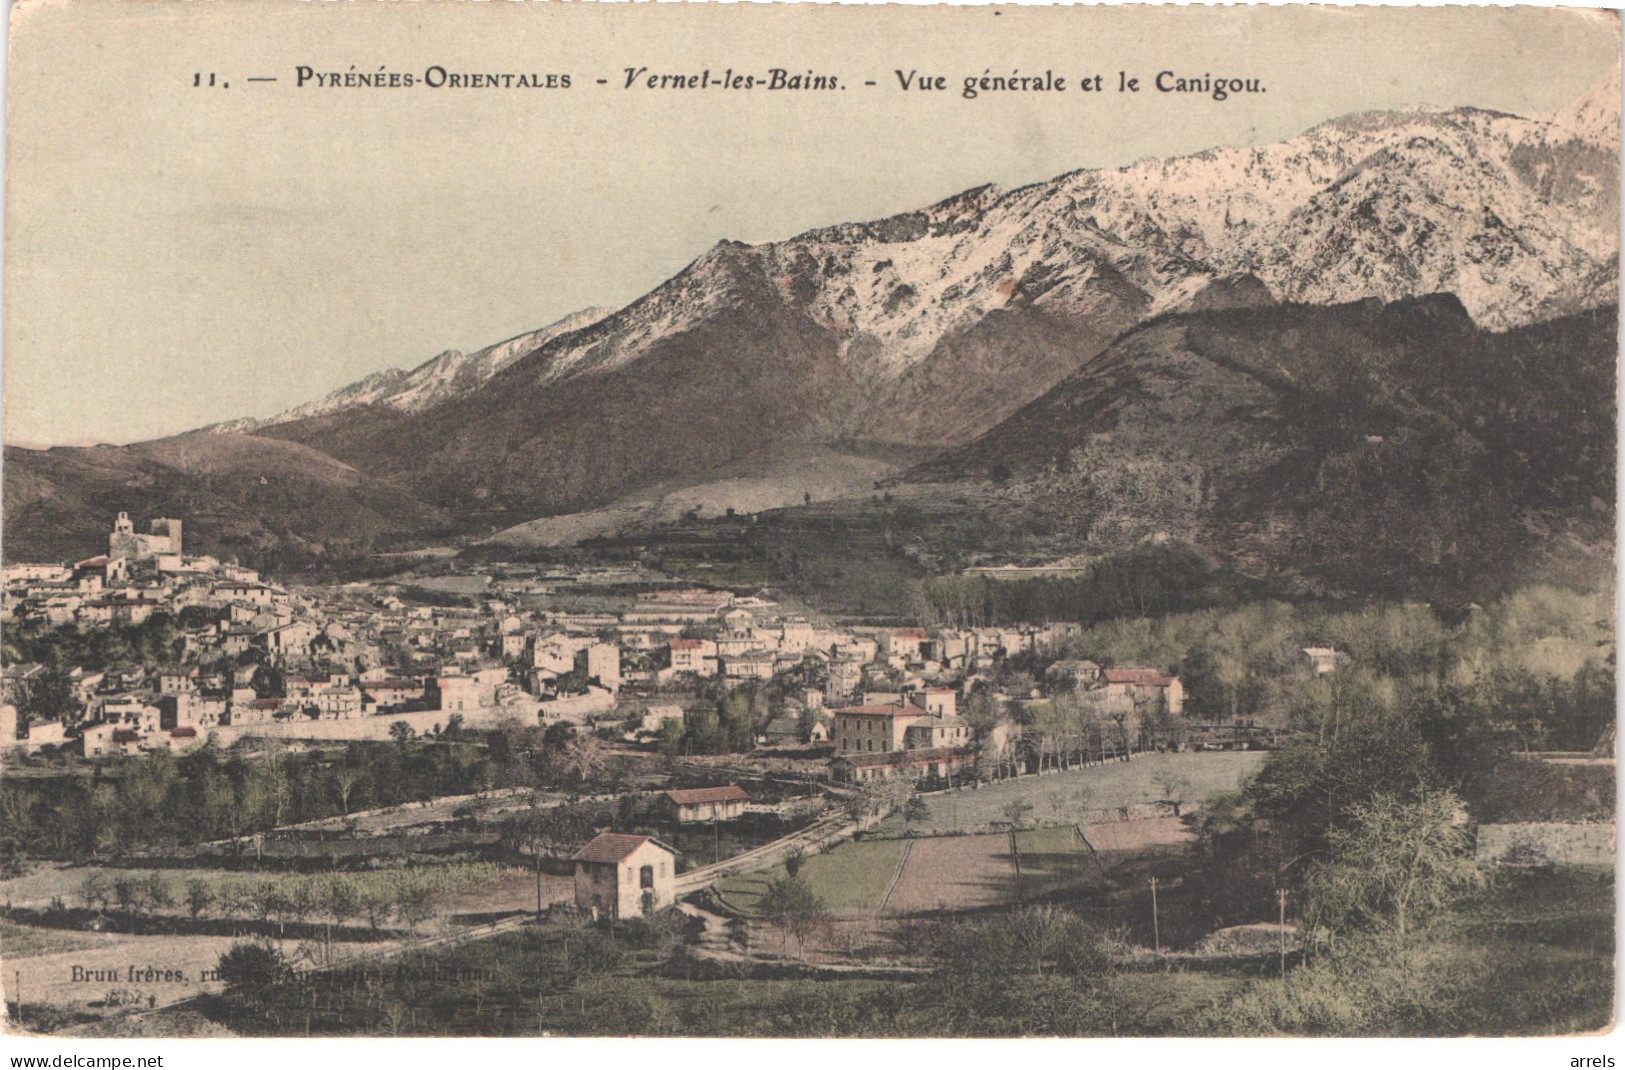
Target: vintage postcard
(798,520)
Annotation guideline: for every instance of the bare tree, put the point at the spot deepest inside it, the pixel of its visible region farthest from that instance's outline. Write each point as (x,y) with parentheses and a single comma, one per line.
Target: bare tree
(1174,788)
(345,781)
(199,897)
(793,906)
(93,889)
(584,754)
(377,907)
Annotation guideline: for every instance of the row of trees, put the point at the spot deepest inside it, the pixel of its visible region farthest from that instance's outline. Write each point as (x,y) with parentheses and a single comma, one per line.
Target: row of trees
(161,801)
(338,898)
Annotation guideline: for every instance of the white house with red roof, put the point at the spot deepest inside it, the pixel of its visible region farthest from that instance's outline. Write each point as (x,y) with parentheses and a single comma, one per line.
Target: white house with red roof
(697,656)
(906,643)
(938,701)
(620,876)
(110,738)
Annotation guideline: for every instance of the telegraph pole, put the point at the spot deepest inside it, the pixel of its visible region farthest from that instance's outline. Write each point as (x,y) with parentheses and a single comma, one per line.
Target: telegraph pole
(1156,928)
(1015,852)
(1280,898)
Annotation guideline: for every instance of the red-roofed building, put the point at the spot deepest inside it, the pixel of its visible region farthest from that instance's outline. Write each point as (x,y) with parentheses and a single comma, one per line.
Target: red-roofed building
(392,694)
(95,573)
(907,643)
(174,739)
(109,738)
(1147,687)
(901,737)
(694,655)
(724,803)
(873,729)
(255,711)
(127,740)
(935,762)
(620,876)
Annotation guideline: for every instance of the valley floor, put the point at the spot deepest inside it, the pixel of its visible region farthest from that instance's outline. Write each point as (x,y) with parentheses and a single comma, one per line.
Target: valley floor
(1534,956)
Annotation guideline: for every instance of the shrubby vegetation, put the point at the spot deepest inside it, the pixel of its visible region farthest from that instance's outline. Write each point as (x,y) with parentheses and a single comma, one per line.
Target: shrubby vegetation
(1149,579)
(1532,955)
(1536,665)
(155,641)
(1359,821)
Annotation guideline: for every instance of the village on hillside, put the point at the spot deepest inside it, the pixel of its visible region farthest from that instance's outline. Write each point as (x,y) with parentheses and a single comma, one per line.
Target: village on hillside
(237,656)
(247,787)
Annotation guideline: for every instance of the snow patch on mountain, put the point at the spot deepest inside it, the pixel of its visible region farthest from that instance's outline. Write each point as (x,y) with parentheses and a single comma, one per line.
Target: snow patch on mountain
(1516,216)
(1386,205)
(1593,116)
(451,374)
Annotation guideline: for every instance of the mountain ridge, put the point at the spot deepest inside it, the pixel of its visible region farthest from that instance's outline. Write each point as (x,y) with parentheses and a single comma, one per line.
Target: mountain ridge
(1367,447)
(928,330)
(1210,226)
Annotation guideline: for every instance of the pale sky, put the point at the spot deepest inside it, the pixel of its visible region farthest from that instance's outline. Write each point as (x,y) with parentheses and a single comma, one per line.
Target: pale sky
(177,256)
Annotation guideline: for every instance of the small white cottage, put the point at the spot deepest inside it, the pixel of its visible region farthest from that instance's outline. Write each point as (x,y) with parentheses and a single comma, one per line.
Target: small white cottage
(619,875)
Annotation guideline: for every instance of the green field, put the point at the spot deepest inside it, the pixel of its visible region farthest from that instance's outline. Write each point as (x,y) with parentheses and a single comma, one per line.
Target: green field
(1060,796)
(854,876)
(1052,859)
(24,941)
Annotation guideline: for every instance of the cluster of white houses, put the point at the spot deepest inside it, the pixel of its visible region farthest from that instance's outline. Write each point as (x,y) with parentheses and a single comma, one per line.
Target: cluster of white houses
(918,733)
(255,658)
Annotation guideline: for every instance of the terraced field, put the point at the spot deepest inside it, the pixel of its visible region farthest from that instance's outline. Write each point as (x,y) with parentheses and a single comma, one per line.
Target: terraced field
(1093,793)
(853,877)
(904,876)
